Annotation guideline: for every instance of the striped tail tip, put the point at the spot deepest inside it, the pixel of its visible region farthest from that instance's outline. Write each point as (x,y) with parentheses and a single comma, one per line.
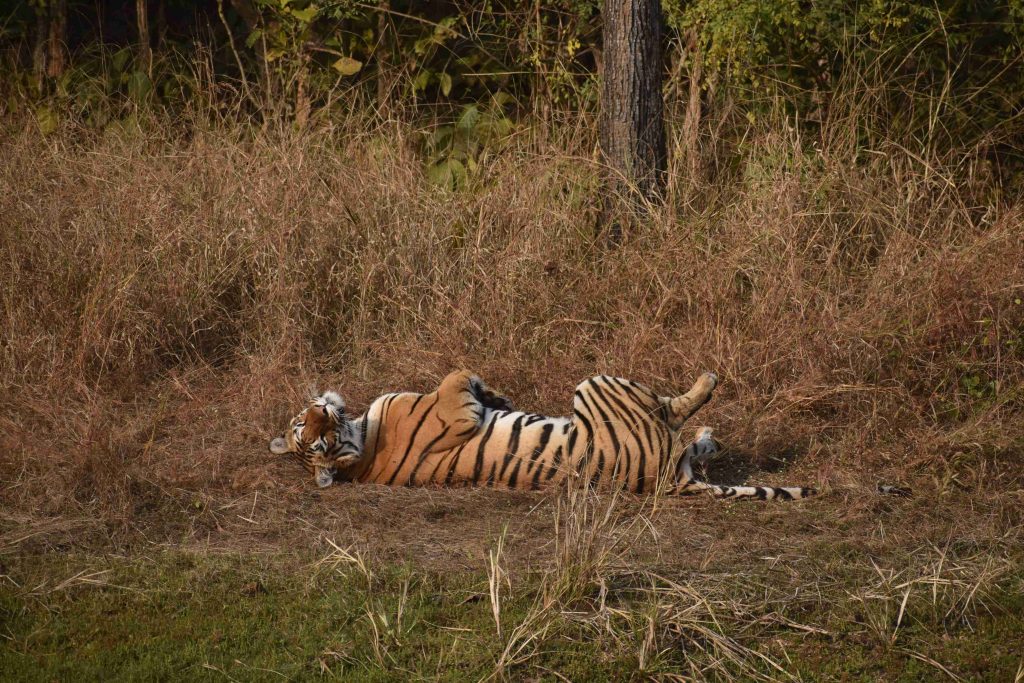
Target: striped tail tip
(692,487)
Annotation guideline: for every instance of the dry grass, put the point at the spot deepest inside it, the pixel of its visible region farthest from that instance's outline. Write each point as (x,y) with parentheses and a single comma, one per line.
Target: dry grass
(171,290)
(673,606)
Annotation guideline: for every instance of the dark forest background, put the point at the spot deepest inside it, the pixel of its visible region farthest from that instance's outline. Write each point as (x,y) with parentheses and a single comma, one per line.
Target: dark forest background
(949,73)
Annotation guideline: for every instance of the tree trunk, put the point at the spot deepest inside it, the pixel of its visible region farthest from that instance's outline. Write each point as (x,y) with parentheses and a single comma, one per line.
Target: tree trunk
(50,57)
(383,55)
(40,50)
(631,127)
(161,25)
(691,125)
(145,47)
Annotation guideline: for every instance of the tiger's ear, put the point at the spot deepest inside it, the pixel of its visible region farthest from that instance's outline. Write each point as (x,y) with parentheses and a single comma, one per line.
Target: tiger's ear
(279,446)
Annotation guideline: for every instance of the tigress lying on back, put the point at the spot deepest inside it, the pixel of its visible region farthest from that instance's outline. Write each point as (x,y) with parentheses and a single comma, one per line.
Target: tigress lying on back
(619,433)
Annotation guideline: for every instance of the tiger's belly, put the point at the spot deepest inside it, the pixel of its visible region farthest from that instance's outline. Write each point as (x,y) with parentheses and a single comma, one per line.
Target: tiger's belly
(530,452)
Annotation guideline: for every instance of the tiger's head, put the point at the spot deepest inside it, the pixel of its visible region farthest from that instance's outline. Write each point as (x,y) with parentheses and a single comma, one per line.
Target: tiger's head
(322,437)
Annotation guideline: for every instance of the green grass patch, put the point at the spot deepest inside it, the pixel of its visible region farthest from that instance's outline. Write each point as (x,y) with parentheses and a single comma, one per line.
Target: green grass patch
(182,615)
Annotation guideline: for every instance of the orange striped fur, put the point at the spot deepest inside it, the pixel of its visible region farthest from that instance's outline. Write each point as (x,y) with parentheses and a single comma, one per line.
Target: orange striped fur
(619,433)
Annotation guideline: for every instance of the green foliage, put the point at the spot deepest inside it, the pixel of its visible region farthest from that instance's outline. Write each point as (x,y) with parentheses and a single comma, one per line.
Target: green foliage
(946,73)
(959,60)
(454,151)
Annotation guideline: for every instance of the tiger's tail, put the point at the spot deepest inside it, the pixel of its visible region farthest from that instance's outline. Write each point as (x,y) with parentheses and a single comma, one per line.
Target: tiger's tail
(703,448)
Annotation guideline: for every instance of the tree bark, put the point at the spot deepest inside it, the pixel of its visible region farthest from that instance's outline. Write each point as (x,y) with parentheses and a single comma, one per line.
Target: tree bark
(161,25)
(142,26)
(691,125)
(383,55)
(52,31)
(631,125)
(39,52)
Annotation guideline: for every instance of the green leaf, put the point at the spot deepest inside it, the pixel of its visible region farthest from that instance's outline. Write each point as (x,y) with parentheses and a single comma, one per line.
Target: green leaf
(501,98)
(421,80)
(446,84)
(470,115)
(253,37)
(306,16)
(139,85)
(440,174)
(120,59)
(347,66)
(440,139)
(47,120)
(459,175)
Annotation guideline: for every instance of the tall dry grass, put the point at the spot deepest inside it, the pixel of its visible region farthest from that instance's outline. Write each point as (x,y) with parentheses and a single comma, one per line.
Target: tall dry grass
(172,288)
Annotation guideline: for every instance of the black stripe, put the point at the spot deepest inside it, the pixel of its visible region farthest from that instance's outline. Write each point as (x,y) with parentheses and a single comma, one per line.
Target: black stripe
(609,394)
(599,470)
(469,430)
(416,403)
(590,449)
(571,445)
(455,462)
(381,420)
(440,461)
(513,443)
(513,477)
(642,418)
(556,461)
(412,442)
(628,421)
(535,480)
(646,423)
(423,455)
(634,392)
(545,436)
(479,465)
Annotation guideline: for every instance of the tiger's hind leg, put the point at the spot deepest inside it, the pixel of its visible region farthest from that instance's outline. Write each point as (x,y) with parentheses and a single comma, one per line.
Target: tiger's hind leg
(681,408)
(461,404)
(488,397)
(703,448)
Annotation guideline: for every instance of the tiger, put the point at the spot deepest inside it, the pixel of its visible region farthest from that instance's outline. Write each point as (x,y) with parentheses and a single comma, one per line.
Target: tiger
(619,434)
